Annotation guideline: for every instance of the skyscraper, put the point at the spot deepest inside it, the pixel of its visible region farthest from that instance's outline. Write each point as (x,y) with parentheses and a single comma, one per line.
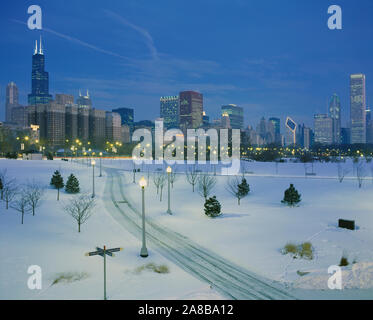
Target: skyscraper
(235,114)
(127,116)
(277,127)
(84,101)
(39,78)
(113,127)
(170,111)
(11,100)
(369,124)
(71,120)
(335,114)
(357,108)
(97,126)
(323,126)
(64,99)
(191,110)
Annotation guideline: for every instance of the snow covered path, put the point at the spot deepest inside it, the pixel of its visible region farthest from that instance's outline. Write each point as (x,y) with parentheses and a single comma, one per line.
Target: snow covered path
(227,278)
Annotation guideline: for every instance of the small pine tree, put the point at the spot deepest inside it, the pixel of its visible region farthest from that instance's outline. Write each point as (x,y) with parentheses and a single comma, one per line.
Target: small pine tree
(291,196)
(1,189)
(243,188)
(72,184)
(57,182)
(212,207)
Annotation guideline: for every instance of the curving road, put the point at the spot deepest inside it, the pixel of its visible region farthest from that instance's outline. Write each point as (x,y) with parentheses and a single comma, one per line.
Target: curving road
(227,278)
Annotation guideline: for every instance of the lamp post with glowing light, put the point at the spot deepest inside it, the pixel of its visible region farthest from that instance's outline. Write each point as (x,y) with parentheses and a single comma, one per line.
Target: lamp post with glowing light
(144,251)
(93,178)
(169,170)
(100,164)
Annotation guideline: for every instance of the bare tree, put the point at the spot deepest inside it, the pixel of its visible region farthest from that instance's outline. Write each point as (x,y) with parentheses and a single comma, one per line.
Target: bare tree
(173,176)
(233,187)
(360,173)
(156,180)
(342,172)
(3,177)
(80,208)
(21,203)
(192,176)
(206,183)
(10,191)
(162,180)
(34,193)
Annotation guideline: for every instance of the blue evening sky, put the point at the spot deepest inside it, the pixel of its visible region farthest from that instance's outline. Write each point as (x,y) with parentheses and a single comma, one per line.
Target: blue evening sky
(272,57)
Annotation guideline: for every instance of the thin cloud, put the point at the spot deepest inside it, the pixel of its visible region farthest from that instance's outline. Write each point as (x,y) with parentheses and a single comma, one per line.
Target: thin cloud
(143,32)
(78,41)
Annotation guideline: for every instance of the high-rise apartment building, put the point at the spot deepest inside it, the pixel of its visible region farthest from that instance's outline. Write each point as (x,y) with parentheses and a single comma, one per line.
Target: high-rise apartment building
(169,111)
(11,100)
(191,110)
(357,108)
(39,78)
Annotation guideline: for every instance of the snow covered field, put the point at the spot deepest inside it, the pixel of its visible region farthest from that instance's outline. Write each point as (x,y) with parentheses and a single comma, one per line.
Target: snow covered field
(250,235)
(51,240)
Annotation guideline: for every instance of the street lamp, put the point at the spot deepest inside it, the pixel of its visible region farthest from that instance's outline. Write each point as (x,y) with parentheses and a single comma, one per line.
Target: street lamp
(169,170)
(144,251)
(100,164)
(93,177)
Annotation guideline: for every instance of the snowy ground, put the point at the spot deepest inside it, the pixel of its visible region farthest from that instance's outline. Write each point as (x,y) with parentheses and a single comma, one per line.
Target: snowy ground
(250,235)
(50,239)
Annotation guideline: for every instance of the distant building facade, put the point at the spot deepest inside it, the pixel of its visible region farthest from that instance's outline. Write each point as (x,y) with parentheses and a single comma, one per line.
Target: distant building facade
(235,114)
(191,110)
(11,100)
(169,111)
(64,99)
(84,102)
(323,125)
(113,127)
(127,116)
(335,114)
(277,129)
(358,108)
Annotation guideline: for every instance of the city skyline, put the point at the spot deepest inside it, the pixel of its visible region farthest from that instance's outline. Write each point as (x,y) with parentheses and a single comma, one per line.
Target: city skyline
(218,78)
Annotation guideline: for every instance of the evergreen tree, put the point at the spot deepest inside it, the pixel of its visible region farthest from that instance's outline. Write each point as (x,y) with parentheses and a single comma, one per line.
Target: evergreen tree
(212,207)
(243,188)
(57,182)
(1,189)
(291,197)
(72,184)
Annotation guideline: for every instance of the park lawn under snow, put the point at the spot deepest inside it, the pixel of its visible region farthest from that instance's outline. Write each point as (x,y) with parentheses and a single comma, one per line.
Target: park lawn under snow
(253,234)
(50,240)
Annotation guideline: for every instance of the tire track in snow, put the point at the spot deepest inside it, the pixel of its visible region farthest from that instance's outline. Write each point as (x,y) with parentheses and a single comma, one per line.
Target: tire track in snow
(229,279)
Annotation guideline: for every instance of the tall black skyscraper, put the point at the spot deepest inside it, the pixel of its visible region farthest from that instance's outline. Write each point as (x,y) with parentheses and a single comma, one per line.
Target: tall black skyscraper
(40,78)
